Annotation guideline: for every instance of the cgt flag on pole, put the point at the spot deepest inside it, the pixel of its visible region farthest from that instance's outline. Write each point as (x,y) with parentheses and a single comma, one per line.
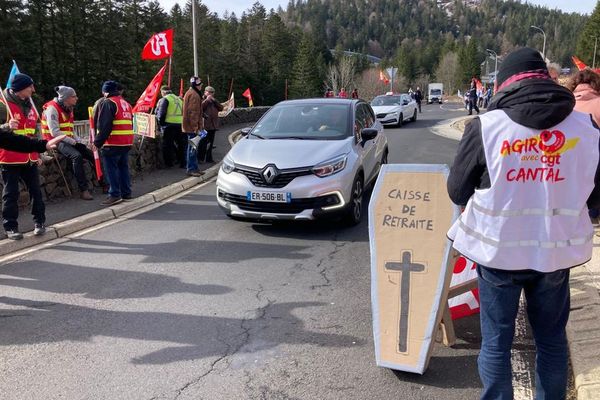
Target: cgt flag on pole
(248,95)
(147,100)
(13,71)
(159,46)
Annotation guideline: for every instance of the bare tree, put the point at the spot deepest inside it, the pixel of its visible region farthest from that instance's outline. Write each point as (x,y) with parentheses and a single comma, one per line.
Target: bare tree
(369,84)
(448,72)
(341,75)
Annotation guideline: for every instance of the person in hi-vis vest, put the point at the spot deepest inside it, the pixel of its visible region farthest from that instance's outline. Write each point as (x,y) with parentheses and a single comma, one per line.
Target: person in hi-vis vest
(526,173)
(20,116)
(113,119)
(58,119)
(169,114)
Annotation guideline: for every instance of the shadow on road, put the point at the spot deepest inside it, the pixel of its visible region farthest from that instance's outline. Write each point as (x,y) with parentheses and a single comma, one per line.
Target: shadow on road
(190,337)
(187,250)
(98,283)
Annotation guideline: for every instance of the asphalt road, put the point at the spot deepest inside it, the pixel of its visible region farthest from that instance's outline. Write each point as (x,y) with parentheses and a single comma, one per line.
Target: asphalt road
(183,303)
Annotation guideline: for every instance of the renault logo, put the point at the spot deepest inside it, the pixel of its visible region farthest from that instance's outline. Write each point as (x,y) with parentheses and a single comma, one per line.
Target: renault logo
(270,173)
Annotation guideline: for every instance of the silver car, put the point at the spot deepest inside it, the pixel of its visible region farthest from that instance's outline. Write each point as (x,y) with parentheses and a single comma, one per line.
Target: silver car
(395,109)
(304,159)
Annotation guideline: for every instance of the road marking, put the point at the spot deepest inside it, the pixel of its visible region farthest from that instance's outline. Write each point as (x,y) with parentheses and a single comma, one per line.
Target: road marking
(521,363)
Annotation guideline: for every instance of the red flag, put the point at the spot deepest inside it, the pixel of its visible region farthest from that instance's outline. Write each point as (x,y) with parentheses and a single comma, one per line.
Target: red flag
(248,95)
(578,63)
(467,303)
(148,98)
(383,78)
(181,88)
(159,46)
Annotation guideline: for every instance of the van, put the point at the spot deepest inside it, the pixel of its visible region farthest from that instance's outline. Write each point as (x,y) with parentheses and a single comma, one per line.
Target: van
(434,92)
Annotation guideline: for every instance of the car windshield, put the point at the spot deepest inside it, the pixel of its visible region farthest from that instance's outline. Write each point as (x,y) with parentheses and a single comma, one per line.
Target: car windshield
(386,101)
(305,122)
(435,91)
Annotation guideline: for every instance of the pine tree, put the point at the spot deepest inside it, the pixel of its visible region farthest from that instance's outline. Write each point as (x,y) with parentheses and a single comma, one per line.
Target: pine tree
(589,40)
(305,78)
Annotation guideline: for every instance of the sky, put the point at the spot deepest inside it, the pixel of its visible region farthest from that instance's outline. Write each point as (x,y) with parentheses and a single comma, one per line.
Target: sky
(238,6)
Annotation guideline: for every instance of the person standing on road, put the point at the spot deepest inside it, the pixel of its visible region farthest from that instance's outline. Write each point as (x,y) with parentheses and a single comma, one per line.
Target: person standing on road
(472,96)
(354,93)
(329,93)
(210,111)
(525,171)
(418,97)
(58,119)
(343,94)
(19,114)
(113,119)
(169,114)
(193,122)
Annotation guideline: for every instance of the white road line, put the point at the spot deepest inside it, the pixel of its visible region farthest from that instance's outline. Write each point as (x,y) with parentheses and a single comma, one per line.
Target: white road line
(521,365)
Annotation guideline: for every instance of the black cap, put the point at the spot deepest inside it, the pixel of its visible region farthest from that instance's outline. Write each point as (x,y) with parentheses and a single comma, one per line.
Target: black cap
(519,61)
(20,82)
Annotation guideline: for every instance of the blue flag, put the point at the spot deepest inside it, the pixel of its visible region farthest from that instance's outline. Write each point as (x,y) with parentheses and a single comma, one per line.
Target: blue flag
(13,71)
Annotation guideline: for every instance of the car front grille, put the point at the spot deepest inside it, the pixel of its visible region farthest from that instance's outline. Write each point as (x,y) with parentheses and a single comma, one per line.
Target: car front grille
(381,115)
(285,176)
(294,207)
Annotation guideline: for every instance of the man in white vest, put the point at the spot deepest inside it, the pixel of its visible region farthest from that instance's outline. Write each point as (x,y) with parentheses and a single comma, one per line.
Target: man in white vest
(526,174)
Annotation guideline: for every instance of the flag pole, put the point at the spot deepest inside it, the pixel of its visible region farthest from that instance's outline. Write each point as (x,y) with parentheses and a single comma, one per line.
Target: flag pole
(230,88)
(6,102)
(170,63)
(286,89)
(208,79)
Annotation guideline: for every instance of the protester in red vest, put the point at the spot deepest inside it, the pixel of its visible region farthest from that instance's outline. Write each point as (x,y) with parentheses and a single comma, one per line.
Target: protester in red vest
(113,119)
(20,116)
(57,119)
(342,94)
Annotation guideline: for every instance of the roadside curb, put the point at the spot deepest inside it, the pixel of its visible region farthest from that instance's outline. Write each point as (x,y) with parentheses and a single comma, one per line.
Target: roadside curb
(68,227)
(583,329)
(447,128)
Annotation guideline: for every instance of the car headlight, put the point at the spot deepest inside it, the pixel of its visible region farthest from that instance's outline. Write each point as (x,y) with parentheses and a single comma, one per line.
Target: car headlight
(228,165)
(330,167)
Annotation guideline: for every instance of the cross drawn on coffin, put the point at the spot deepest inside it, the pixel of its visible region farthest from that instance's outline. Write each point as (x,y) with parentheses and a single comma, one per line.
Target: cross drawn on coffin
(404,268)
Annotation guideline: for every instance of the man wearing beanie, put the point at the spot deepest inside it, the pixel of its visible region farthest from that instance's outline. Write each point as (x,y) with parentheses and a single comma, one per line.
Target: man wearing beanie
(169,113)
(113,119)
(527,172)
(20,116)
(58,119)
(192,122)
(210,110)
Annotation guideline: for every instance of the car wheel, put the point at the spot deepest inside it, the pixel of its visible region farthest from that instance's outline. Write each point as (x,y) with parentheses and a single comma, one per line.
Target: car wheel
(355,207)
(384,158)
(400,120)
(414,117)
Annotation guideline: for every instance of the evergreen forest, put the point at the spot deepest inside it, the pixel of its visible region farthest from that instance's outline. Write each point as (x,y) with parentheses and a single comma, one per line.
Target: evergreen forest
(82,43)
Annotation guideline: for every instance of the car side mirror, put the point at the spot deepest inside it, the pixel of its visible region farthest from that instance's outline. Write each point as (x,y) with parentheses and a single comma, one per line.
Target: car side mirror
(368,134)
(245,131)
(405,102)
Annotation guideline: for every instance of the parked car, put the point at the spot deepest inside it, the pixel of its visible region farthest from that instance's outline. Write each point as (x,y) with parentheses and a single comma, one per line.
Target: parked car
(303,160)
(394,109)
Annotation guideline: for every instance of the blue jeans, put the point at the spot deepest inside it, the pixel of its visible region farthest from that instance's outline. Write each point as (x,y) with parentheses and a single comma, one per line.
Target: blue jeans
(548,305)
(116,163)
(192,154)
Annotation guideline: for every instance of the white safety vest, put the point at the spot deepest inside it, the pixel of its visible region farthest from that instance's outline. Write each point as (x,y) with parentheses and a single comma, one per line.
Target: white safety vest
(534,215)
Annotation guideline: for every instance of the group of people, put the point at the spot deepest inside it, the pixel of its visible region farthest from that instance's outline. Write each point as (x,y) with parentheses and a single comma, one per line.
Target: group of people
(20,149)
(526,173)
(342,94)
(188,125)
(476,98)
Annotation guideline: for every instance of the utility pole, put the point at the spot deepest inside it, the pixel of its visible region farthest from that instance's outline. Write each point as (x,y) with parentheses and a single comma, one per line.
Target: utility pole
(595,46)
(194,37)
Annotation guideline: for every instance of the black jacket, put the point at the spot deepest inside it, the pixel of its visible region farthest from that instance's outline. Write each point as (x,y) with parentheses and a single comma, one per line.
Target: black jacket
(104,114)
(20,143)
(534,103)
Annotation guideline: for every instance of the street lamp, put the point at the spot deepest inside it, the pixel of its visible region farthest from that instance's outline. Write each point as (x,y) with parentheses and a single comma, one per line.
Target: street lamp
(544,46)
(496,64)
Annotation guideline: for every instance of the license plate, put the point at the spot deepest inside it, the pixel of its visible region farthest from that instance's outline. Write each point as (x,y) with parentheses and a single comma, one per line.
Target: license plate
(269,197)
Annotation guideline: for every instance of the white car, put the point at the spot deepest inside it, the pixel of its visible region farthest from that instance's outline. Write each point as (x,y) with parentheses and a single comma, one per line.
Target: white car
(394,109)
(303,160)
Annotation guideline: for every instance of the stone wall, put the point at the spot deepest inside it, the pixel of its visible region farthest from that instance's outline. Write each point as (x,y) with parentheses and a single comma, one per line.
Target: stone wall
(147,159)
